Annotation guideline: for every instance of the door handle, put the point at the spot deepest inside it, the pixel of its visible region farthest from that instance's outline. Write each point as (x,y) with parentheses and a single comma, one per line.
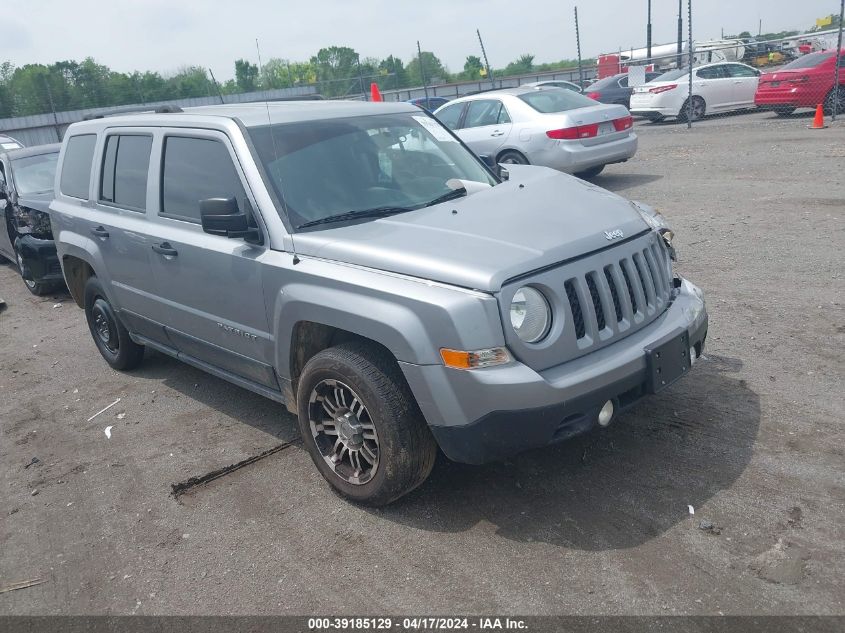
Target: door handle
(99,231)
(165,249)
(497,133)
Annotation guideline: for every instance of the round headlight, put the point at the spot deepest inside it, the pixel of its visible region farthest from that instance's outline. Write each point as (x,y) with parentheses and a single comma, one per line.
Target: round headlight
(531,315)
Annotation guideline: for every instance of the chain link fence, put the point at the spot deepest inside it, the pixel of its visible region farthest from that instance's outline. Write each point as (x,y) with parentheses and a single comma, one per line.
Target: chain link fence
(685,83)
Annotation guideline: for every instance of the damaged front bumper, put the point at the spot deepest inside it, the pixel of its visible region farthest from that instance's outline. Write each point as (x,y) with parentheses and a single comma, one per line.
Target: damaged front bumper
(39,261)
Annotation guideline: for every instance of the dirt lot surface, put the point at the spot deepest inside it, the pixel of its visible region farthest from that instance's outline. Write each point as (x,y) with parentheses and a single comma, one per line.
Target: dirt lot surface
(752,440)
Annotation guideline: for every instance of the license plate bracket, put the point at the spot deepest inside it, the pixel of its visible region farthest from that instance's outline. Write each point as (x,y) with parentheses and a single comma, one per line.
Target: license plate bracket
(667,360)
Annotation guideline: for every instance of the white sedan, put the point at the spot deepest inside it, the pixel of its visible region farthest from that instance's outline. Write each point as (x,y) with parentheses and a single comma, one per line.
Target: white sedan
(716,88)
(552,127)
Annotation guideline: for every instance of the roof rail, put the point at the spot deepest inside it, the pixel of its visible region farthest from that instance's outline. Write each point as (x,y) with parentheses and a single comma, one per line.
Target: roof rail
(162,109)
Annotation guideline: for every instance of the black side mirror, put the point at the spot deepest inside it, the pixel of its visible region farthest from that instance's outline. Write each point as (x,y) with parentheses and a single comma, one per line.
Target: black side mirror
(488,160)
(501,173)
(221,216)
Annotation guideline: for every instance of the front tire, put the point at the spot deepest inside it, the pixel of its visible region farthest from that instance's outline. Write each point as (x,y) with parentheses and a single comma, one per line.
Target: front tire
(361,424)
(110,335)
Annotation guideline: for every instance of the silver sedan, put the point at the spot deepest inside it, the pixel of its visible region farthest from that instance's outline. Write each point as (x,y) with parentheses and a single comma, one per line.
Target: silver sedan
(552,127)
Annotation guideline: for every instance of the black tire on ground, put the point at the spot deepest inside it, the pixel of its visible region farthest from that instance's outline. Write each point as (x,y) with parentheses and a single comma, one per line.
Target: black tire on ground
(38,288)
(840,101)
(783,110)
(109,334)
(699,109)
(405,449)
(592,172)
(512,157)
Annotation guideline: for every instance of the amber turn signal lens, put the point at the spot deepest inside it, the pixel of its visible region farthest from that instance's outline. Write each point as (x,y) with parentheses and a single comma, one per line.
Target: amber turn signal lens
(457,359)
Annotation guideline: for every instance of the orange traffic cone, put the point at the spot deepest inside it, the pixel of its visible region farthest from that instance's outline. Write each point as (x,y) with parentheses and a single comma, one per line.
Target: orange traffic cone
(818,120)
(375,95)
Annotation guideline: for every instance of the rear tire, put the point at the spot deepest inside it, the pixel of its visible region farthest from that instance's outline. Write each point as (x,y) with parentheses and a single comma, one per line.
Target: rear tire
(592,172)
(840,105)
(109,334)
(512,157)
(361,424)
(694,113)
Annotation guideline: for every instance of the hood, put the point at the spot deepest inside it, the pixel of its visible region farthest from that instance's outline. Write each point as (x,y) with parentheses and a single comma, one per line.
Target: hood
(538,218)
(37,201)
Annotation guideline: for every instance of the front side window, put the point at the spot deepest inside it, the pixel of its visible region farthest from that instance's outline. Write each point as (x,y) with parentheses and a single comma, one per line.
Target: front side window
(35,174)
(195,169)
(391,163)
(486,112)
(126,164)
(76,166)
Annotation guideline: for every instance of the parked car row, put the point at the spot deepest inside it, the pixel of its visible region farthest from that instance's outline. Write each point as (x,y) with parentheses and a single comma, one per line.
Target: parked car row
(725,87)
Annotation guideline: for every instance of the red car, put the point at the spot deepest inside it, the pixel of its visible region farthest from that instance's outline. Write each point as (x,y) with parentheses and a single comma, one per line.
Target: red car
(803,83)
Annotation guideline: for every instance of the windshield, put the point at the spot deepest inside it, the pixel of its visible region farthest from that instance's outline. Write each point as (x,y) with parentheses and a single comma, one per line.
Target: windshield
(35,174)
(809,61)
(556,100)
(326,168)
(673,74)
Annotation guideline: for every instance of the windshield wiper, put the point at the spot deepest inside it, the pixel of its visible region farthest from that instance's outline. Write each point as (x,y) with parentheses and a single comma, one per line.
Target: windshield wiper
(451,195)
(377,212)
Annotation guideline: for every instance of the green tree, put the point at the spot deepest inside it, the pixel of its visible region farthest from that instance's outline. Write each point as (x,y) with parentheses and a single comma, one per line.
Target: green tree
(337,70)
(246,75)
(435,71)
(523,65)
(393,66)
(472,68)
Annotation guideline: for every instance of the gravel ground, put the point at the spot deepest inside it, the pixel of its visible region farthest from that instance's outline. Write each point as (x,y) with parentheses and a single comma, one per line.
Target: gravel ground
(752,440)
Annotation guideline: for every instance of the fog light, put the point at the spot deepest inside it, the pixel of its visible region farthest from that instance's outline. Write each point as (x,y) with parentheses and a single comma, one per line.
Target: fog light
(606,413)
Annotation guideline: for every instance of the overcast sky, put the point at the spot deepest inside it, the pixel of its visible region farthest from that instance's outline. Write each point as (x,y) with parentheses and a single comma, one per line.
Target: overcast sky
(163,35)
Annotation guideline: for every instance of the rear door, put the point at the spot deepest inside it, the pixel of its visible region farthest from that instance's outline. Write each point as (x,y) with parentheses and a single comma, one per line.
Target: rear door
(715,85)
(745,80)
(118,224)
(486,127)
(209,286)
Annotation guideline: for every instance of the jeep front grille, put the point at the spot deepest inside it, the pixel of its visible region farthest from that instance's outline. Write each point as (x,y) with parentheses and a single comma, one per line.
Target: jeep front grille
(599,306)
(601,298)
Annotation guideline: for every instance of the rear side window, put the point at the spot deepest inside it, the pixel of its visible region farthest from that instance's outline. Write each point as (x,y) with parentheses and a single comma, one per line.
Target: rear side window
(195,169)
(737,70)
(76,167)
(809,61)
(126,163)
(450,116)
(712,72)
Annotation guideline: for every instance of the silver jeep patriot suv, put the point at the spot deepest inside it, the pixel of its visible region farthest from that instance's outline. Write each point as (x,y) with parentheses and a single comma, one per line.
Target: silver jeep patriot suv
(356,262)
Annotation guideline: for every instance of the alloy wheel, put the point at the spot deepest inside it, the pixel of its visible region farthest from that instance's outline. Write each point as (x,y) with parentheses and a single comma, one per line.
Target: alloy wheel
(343,431)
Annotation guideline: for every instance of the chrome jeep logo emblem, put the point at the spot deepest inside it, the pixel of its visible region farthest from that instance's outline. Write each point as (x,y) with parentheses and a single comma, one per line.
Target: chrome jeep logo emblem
(614,235)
